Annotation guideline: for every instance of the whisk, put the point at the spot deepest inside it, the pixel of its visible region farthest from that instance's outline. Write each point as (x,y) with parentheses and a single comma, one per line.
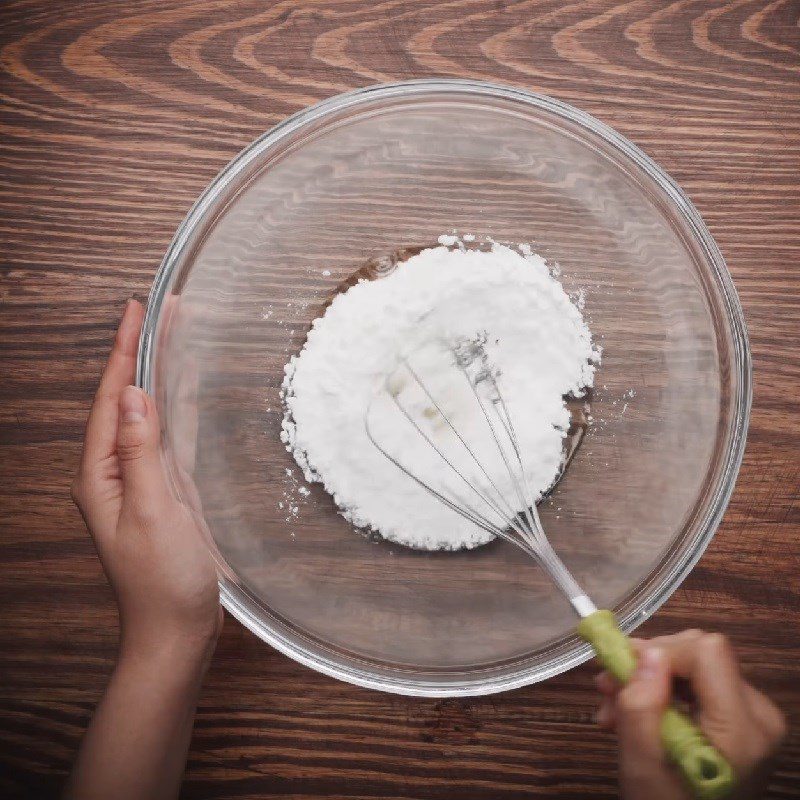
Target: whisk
(482,476)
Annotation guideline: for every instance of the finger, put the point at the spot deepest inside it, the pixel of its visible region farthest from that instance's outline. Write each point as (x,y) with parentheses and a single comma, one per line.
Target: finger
(606,684)
(185,424)
(184,435)
(672,639)
(189,493)
(707,660)
(144,481)
(101,428)
(767,715)
(640,705)
(606,714)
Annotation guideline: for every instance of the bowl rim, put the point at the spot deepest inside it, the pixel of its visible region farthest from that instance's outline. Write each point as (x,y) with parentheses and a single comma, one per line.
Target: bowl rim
(235,600)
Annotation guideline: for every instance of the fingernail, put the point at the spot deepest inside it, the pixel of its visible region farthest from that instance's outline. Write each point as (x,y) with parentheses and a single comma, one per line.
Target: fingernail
(650,662)
(132,404)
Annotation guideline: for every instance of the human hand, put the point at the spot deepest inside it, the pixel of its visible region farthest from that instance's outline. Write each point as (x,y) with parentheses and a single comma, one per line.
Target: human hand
(151,546)
(743,724)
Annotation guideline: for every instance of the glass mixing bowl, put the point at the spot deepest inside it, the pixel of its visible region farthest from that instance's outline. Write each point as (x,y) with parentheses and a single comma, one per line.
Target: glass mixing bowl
(342,186)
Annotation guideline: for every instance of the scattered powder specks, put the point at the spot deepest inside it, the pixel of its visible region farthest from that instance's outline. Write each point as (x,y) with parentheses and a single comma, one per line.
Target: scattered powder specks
(293,494)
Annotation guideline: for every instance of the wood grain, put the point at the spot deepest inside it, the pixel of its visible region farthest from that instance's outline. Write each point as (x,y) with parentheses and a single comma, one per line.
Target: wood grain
(114,117)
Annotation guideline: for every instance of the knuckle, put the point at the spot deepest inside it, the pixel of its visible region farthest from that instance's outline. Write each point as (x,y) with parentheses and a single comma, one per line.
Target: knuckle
(632,702)
(129,449)
(715,645)
(681,640)
(775,723)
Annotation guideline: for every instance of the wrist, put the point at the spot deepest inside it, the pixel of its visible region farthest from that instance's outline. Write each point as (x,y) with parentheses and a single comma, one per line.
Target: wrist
(166,648)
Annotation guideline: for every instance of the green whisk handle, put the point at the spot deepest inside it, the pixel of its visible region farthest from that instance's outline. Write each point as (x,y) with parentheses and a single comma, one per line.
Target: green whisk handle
(704,769)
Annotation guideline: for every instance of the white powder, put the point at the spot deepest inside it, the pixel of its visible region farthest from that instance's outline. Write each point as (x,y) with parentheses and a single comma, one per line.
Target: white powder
(535,336)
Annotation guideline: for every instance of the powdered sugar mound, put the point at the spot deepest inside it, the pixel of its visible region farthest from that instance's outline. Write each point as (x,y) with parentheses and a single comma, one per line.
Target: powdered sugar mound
(535,336)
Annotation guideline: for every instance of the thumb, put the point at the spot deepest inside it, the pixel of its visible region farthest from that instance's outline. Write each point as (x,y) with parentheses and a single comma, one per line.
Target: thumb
(138,449)
(644,770)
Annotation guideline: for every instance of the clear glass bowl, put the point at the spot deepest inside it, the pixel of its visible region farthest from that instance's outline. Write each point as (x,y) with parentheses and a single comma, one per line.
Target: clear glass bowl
(365,175)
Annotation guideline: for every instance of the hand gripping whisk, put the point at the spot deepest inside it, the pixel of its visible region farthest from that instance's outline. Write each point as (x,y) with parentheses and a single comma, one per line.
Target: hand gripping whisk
(478,471)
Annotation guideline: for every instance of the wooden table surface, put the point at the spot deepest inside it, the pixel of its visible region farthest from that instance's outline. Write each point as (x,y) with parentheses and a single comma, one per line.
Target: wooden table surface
(114,117)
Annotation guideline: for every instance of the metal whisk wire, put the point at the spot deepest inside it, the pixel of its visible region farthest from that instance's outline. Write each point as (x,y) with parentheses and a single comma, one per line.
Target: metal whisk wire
(519,523)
